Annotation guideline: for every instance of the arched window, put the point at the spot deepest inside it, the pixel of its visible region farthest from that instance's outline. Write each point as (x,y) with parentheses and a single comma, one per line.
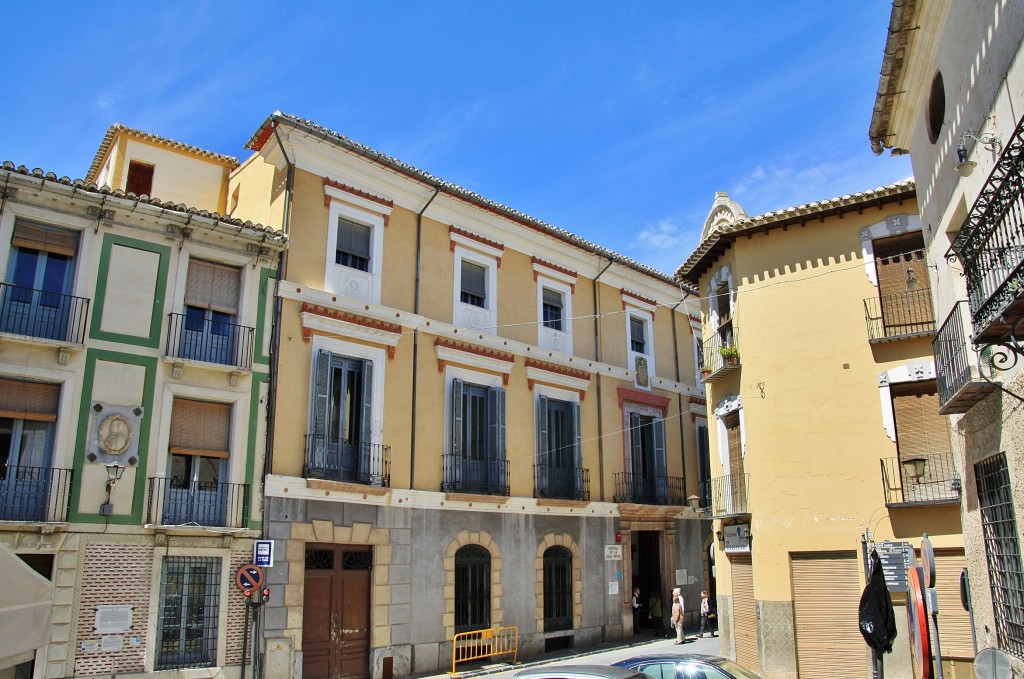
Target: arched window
(472,588)
(557,589)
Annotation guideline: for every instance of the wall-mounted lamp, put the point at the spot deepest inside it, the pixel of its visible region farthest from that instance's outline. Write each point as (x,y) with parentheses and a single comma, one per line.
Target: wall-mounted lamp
(956,484)
(911,279)
(693,502)
(914,468)
(718,534)
(988,139)
(114,473)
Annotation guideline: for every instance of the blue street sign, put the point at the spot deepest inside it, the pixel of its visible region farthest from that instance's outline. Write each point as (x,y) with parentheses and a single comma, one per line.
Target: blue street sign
(263,553)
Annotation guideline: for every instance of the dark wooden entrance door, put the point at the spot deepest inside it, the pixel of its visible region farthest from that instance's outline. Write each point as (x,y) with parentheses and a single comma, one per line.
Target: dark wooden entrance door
(336,612)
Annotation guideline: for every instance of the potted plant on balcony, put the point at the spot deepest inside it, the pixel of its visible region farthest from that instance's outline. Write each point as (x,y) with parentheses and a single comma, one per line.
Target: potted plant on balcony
(730,354)
(704,371)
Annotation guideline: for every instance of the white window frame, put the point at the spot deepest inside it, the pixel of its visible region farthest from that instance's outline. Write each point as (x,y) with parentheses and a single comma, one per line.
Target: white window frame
(344,280)
(483,318)
(549,338)
(648,320)
(728,405)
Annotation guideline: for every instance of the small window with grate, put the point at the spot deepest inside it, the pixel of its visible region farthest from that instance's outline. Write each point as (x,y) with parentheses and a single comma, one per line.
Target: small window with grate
(357,561)
(472,588)
(319,559)
(557,589)
(140,178)
(353,245)
(189,604)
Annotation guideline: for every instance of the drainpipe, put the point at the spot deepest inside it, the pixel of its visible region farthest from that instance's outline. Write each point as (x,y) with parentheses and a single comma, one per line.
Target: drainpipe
(416,335)
(679,401)
(597,357)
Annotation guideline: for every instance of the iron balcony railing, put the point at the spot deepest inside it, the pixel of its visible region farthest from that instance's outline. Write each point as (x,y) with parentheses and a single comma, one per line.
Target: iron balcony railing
(956,372)
(210,341)
(176,502)
(900,315)
(366,463)
(40,494)
(43,314)
(464,475)
(720,353)
(921,479)
(727,495)
(990,246)
(649,489)
(561,483)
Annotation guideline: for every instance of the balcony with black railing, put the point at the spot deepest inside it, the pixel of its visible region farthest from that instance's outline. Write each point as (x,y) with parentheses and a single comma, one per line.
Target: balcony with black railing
(43,314)
(332,460)
(900,315)
(210,340)
(180,502)
(720,354)
(726,495)
(957,372)
(572,483)
(36,494)
(920,480)
(649,489)
(482,477)
(990,246)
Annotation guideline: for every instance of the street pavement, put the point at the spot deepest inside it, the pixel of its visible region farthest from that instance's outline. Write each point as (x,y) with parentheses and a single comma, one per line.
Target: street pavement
(606,653)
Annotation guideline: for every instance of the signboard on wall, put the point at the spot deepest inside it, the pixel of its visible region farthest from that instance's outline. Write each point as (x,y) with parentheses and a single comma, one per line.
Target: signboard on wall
(736,537)
(613,552)
(896,558)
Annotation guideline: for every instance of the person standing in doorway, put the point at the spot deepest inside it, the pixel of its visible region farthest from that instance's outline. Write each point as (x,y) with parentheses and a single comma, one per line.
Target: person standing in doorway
(677,615)
(637,610)
(705,615)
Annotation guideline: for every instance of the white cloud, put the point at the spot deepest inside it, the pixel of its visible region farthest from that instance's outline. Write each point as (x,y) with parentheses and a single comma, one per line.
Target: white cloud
(663,245)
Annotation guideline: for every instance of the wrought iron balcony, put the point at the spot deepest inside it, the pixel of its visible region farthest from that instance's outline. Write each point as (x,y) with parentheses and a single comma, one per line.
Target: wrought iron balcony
(564,484)
(366,463)
(40,494)
(720,354)
(649,489)
(485,477)
(920,480)
(899,316)
(210,340)
(990,247)
(727,495)
(177,502)
(43,314)
(957,373)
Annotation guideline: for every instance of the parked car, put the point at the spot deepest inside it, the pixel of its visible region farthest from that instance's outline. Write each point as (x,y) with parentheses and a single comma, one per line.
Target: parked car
(686,666)
(579,672)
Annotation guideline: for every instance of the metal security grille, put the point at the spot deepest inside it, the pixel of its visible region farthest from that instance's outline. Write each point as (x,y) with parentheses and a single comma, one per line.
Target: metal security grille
(189,601)
(472,589)
(557,589)
(357,561)
(1002,550)
(319,560)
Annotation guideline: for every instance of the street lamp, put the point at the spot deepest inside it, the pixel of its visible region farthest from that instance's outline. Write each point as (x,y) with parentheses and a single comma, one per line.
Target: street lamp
(114,473)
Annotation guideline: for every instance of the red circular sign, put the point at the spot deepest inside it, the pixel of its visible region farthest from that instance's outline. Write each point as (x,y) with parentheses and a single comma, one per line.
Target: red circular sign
(249,577)
(917,616)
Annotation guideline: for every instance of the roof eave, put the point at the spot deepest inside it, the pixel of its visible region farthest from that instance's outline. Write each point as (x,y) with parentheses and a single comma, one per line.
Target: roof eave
(901,20)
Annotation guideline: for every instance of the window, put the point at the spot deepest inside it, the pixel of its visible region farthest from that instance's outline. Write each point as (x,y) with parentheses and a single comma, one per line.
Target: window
(477,461)
(904,288)
(28,411)
(140,178)
(559,444)
(936,107)
(209,331)
(640,356)
(662,670)
(637,340)
(472,589)
(552,309)
(474,287)
(647,456)
(920,429)
(557,589)
(1002,551)
(339,445)
(36,300)
(187,623)
(723,303)
(197,463)
(353,245)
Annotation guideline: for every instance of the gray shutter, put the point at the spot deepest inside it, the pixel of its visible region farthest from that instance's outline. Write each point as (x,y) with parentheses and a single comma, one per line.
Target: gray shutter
(543,454)
(635,450)
(321,402)
(365,433)
(457,452)
(496,437)
(660,463)
(577,432)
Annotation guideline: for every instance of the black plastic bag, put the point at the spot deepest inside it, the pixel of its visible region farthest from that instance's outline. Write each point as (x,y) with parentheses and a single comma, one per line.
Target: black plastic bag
(877,619)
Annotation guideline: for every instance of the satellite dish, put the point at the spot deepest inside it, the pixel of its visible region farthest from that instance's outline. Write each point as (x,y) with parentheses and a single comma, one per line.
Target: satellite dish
(991,663)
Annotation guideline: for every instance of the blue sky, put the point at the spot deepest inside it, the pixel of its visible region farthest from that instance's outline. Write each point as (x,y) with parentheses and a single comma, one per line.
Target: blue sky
(617,121)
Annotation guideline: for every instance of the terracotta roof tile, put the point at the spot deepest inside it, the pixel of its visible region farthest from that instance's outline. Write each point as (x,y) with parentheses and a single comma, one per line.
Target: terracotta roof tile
(113,130)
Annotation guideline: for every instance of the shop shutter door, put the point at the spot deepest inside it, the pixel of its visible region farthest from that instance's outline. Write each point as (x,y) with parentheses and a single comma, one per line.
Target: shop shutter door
(744,610)
(954,621)
(826,593)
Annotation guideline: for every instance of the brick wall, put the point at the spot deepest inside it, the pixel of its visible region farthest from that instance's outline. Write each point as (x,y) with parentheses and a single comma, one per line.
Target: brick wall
(234,600)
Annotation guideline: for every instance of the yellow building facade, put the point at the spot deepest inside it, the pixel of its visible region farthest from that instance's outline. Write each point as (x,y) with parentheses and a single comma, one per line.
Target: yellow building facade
(825,436)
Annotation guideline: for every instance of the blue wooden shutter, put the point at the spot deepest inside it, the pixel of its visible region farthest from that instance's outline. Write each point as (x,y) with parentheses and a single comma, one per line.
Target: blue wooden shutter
(660,463)
(543,454)
(366,430)
(496,438)
(317,446)
(577,432)
(635,448)
(456,417)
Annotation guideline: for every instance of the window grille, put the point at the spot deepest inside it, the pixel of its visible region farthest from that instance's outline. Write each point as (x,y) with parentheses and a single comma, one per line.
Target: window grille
(189,604)
(357,561)
(353,246)
(552,309)
(557,589)
(320,559)
(636,335)
(472,589)
(1002,550)
(474,289)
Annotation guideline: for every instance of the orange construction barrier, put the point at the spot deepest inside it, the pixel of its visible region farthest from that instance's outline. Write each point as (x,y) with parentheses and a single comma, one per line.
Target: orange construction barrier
(485,643)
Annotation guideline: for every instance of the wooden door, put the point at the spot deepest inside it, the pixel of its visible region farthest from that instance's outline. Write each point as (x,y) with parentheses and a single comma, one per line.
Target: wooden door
(336,612)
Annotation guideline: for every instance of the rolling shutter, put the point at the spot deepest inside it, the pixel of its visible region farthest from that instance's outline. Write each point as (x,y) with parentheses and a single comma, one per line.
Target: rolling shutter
(212,286)
(826,594)
(744,610)
(200,428)
(954,621)
(920,429)
(44,239)
(29,400)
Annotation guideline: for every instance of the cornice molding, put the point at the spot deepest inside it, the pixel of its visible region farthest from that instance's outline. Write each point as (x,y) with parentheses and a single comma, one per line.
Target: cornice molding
(453,352)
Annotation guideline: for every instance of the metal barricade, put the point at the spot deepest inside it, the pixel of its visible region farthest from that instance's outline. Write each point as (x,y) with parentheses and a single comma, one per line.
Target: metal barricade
(485,643)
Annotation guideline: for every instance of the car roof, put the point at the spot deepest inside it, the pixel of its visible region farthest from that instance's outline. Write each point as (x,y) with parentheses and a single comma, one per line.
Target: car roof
(580,672)
(671,657)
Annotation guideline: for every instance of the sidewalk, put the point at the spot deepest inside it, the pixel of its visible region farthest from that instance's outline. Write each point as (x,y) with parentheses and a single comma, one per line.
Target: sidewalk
(605,653)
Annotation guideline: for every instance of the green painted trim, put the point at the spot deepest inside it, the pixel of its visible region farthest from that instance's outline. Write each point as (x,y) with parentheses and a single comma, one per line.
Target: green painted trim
(164,251)
(84,413)
(266,273)
(250,455)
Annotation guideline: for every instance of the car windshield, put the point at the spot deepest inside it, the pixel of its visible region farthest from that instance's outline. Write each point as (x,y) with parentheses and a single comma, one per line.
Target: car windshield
(736,671)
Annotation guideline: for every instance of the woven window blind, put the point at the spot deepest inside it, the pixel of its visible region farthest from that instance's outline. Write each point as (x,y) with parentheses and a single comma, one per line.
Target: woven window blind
(920,429)
(44,238)
(212,286)
(29,400)
(200,428)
